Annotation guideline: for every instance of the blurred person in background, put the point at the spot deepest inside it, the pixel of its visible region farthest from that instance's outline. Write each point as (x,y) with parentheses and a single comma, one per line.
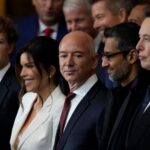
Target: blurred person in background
(9,85)
(78,16)
(137,13)
(48,20)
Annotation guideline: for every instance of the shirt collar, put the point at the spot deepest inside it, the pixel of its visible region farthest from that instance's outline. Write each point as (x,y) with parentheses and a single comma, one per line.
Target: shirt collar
(84,88)
(42,26)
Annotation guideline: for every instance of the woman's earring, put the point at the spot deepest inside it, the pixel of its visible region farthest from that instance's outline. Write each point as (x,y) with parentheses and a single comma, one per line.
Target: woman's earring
(49,76)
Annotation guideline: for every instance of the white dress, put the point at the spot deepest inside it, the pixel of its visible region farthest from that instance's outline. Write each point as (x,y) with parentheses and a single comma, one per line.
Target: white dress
(40,134)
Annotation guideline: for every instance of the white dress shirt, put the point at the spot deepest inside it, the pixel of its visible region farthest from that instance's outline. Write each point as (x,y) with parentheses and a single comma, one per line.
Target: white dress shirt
(42,27)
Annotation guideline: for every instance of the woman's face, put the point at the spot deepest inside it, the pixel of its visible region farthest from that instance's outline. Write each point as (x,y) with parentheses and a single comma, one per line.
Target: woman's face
(33,80)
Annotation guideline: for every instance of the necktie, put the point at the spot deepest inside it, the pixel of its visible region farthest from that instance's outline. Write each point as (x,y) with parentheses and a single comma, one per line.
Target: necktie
(48,31)
(146,101)
(63,117)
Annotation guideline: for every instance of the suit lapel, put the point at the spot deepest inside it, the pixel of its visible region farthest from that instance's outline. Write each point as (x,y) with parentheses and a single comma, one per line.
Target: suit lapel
(4,85)
(120,115)
(42,116)
(139,129)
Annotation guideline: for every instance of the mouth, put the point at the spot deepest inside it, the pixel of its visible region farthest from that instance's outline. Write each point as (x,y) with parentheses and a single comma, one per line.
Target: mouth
(27,82)
(141,57)
(69,72)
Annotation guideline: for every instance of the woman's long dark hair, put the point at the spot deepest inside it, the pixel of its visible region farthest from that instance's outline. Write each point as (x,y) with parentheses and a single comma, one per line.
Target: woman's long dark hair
(44,52)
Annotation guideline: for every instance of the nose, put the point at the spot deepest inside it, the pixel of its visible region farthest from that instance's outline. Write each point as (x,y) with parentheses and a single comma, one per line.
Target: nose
(49,3)
(22,73)
(139,45)
(70,60)
(105,62)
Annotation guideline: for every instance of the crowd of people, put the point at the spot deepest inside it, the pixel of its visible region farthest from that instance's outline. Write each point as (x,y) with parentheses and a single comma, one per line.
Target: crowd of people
(76,76)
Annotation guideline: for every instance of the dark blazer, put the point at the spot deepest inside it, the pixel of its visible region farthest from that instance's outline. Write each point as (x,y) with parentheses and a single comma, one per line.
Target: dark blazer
(29,28)
(139,135)
(82,130)
(9,103)
(117,122)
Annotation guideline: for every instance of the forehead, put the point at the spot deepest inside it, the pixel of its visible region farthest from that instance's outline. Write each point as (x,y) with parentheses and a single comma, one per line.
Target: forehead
(74,43)
(145,27)
(111,45)
(138,9)
(71,46)
(26,58)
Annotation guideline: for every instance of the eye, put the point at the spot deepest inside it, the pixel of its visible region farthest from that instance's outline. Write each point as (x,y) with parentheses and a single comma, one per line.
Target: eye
(31,65)
(146,39)
(62,55)
(78,55)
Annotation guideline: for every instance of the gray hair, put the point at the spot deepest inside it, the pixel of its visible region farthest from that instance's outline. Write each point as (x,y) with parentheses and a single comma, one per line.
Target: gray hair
(71,4)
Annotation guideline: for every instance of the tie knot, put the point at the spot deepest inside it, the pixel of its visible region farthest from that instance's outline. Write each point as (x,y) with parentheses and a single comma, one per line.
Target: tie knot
(48,31)
(70,96)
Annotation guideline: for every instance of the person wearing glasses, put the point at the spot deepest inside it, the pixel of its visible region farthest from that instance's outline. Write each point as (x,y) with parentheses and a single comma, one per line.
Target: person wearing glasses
(120,58)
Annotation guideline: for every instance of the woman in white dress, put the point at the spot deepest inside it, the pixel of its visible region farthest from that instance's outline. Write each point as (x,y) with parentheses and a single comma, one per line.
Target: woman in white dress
(41,96)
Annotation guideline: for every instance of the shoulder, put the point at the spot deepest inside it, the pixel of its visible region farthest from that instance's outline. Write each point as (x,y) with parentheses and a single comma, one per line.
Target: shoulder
(28,98)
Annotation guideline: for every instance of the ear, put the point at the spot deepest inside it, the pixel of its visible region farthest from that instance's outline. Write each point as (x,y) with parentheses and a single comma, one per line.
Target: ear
(52,71)
(132,57)
(11,48)
(122,15)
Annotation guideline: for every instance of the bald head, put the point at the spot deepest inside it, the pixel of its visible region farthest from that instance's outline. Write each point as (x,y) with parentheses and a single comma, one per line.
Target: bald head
(81,38)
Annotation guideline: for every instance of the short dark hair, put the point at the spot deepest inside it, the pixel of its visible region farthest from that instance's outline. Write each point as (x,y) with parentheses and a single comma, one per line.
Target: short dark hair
(127,35)
(7,26)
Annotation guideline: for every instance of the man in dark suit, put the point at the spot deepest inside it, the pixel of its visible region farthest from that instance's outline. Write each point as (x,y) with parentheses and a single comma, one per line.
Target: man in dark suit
(120,58)
(48,15)
(9,87)
(78,61)
(139,133)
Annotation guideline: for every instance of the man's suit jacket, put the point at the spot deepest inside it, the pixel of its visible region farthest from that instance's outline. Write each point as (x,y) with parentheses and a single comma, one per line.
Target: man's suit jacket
(140,137)
(40,133)
(83,129)
(113,130)
(9,90)
(29,28)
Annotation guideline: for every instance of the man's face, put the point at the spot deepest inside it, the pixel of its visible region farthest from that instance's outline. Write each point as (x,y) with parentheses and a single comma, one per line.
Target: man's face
(5,50)
(137,14)
(76,61)
(143,45)
(117,66)
(103,17)
(79,19)
(49,11)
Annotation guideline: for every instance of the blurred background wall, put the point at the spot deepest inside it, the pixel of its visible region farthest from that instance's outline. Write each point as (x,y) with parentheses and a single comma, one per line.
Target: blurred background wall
(16,9)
